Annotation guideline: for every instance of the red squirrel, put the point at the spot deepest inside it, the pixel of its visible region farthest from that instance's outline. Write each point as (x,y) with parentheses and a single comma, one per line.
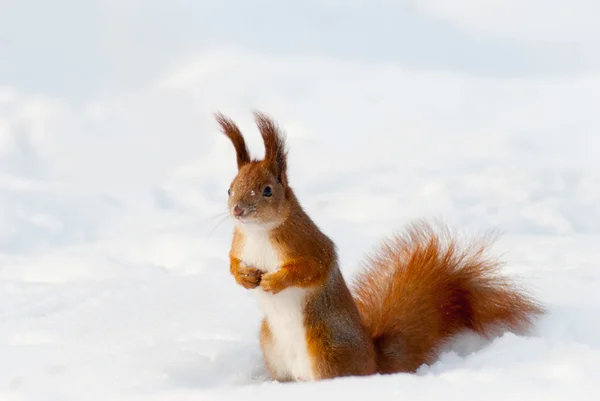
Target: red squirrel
(417,290)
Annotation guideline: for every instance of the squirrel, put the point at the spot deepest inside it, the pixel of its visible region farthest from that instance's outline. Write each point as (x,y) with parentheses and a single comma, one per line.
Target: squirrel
(416,291)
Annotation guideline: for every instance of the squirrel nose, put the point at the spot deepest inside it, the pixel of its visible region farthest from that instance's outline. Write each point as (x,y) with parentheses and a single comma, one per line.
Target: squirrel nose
(237,211)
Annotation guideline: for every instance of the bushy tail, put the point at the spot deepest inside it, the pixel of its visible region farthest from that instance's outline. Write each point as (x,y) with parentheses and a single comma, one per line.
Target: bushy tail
(418,290)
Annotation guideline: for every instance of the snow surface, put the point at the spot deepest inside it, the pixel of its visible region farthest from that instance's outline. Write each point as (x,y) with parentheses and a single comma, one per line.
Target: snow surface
(114,281)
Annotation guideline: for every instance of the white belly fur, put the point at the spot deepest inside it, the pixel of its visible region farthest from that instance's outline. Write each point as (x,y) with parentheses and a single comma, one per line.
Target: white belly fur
(284,310)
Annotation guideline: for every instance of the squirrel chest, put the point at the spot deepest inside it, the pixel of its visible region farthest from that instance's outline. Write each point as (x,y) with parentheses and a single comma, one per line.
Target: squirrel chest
(284,311)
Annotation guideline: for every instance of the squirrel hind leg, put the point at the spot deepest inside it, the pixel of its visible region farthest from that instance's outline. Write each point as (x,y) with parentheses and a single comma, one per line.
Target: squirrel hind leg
(397,353)
(275,371)
(390,354)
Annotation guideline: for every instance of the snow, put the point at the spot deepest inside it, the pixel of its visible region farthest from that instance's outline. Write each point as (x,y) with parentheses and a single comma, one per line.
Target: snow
(114,235)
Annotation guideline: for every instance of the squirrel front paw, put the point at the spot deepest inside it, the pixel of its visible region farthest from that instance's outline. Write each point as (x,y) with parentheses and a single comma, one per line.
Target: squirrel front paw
(272,282)
(248,277)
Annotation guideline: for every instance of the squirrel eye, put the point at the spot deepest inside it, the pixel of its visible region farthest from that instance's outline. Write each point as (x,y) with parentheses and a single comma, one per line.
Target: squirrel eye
(268,191)
(229,191)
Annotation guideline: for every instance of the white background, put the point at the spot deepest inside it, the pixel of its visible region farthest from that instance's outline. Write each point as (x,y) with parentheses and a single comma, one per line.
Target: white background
(113,181)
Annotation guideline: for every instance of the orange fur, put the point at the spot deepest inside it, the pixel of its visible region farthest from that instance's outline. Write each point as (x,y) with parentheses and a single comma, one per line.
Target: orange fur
(415,293)
(420,289)
(309,254)
(310,262)
(247,277)
(231,130)
(275,152)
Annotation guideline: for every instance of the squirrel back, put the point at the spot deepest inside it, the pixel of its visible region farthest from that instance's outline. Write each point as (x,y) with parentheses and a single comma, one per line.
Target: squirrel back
(416,291)
(419,289)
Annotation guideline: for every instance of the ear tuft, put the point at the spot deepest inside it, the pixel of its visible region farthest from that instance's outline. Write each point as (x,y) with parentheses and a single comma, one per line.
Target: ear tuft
(275,151)
(231,130)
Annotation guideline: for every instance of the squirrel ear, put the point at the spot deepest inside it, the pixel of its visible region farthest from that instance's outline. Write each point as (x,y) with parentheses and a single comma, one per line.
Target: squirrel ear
(275,152)
(231,130)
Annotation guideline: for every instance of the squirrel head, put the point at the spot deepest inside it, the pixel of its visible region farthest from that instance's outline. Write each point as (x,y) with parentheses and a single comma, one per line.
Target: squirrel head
(258,195)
